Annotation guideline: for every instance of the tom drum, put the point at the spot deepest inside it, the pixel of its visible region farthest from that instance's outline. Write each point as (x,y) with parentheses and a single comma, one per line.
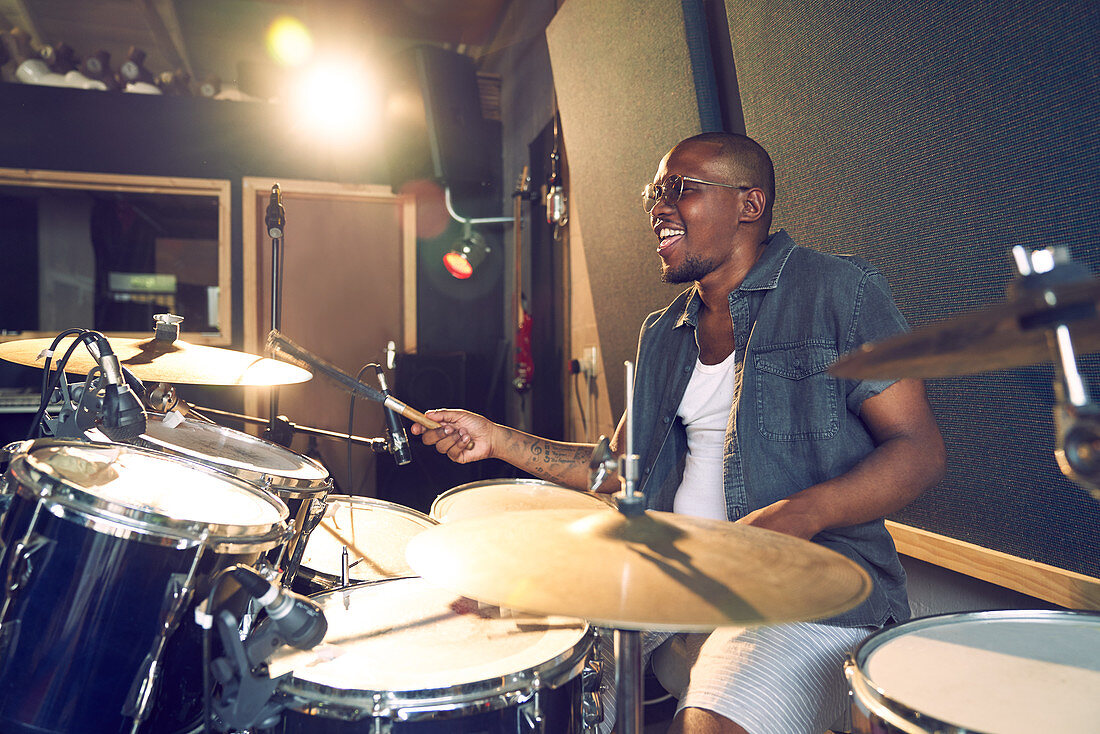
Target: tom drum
(104,552)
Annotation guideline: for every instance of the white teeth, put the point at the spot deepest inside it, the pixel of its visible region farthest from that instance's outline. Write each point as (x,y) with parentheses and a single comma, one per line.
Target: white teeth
(668,232)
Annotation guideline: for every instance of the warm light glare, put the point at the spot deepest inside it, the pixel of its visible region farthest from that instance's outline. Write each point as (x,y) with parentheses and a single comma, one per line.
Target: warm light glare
(289,41)
(457,265)
(337,101)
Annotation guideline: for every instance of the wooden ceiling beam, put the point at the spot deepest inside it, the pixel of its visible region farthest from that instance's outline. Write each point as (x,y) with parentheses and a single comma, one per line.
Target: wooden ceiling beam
(164,24)
(27,21)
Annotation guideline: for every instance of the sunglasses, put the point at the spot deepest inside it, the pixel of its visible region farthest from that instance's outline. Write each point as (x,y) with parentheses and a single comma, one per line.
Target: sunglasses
(673,188)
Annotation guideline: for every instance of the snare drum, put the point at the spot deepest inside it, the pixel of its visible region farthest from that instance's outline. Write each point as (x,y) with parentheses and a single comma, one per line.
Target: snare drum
(297,480)
(489,496)
(409,658)
(98,552)
(1004,672)
(375,533)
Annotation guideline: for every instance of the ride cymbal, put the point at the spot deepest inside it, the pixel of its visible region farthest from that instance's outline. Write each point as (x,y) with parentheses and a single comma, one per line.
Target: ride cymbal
(655,571)
(179,362)
(1012,334)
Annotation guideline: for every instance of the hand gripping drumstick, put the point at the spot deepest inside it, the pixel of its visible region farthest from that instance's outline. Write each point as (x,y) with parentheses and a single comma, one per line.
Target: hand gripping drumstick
(276,342)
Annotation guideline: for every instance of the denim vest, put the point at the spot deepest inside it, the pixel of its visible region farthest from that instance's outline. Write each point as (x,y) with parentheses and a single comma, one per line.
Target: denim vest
(791,424)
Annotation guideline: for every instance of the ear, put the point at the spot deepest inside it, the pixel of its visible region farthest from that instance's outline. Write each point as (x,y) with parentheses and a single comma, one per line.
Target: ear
(752,205)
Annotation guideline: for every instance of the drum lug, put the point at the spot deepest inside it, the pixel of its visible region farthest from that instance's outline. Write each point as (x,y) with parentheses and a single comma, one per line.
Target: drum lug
(591,711)
(531,711)
(591,703)
(21,562)
(382,726)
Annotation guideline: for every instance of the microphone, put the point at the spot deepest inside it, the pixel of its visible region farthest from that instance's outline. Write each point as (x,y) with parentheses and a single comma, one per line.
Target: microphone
(278,343)
(122,416)
(396,438)
(298,621)
(275,218)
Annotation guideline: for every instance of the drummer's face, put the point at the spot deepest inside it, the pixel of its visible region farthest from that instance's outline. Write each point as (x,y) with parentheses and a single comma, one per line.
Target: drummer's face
(696,233)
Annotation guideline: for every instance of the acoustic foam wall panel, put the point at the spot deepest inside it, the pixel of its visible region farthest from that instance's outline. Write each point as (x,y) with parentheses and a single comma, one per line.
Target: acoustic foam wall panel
(930,138)
(626,95)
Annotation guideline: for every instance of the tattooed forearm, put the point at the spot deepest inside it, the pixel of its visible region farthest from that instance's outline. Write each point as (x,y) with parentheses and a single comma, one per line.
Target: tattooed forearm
(563,463)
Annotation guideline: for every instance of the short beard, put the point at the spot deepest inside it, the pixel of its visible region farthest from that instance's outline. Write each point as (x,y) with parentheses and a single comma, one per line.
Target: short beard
(693,268)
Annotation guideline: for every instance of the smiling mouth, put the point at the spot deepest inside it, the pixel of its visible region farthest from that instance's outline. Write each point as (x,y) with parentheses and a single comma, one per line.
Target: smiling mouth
(668,237)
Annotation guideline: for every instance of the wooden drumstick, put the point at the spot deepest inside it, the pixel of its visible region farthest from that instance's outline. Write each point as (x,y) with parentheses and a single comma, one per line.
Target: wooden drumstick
(277,342)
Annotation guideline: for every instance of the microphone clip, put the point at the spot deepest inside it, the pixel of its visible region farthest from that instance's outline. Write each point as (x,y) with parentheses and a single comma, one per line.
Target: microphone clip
(397,441)
(247,696)
(275,217)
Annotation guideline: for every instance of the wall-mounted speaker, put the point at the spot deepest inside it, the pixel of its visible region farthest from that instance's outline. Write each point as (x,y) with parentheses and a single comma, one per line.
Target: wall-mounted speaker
(436,129)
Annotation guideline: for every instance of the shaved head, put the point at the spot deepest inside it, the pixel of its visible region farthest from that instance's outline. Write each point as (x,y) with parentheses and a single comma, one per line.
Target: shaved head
(743,158)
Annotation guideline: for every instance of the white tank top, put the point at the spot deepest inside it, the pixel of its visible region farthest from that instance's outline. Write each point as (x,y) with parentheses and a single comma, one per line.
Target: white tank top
(705,411)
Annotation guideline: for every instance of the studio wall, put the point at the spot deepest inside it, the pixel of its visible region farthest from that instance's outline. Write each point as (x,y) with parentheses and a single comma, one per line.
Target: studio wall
(626,95)
(930,139)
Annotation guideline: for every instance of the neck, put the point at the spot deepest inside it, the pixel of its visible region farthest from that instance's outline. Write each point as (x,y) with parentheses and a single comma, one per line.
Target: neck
(715,287)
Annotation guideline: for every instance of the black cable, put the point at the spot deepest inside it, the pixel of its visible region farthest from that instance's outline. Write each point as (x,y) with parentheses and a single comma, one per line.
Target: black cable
(580,406)
(51,385)
(351,419)
(207,654)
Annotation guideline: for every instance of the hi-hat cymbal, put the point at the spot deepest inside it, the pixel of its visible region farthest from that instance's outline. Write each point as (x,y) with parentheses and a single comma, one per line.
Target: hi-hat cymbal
(1012,334)
(656,571)
(179,362)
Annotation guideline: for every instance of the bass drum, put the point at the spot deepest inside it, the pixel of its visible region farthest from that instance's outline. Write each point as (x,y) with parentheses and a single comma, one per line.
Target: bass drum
(490,496)
(106,550)
(1004,672)
(407,658)
(375,532)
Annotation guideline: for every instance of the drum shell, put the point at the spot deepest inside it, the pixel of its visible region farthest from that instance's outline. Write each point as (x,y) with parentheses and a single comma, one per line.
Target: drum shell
(84,617)
(876,709)
(490,704)
(560,709)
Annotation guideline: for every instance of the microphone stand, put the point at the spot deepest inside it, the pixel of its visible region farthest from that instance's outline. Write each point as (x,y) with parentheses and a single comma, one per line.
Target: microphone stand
(631,503)
(377,445)
(275,220)
(628,643)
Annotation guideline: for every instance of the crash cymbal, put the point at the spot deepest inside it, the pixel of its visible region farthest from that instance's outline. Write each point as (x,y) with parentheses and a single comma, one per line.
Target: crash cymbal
(153,360)
(1013,334)
(655,571)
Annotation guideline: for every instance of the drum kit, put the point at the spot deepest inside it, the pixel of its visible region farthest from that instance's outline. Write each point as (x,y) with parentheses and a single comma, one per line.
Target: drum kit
(457,621)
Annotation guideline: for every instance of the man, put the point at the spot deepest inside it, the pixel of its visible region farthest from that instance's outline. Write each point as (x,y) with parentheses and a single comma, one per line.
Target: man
(737,418)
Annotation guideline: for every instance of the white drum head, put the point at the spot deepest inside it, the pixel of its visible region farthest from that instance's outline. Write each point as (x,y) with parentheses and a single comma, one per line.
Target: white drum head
(1022,675)
(238,453)
(479,499)
(375,533)
(405,638)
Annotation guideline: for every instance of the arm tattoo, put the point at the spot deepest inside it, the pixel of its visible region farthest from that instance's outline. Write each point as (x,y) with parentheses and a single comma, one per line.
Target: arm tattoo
(555,461)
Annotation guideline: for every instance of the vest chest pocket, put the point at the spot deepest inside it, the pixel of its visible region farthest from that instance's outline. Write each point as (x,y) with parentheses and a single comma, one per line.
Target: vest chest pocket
(796,399)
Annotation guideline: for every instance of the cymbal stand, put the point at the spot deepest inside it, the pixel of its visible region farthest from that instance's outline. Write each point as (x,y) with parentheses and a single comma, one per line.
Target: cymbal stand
(275,220)
(1076,416)
(628,643)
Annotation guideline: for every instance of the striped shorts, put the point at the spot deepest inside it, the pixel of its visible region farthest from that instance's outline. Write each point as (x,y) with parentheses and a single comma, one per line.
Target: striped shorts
(782,679)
